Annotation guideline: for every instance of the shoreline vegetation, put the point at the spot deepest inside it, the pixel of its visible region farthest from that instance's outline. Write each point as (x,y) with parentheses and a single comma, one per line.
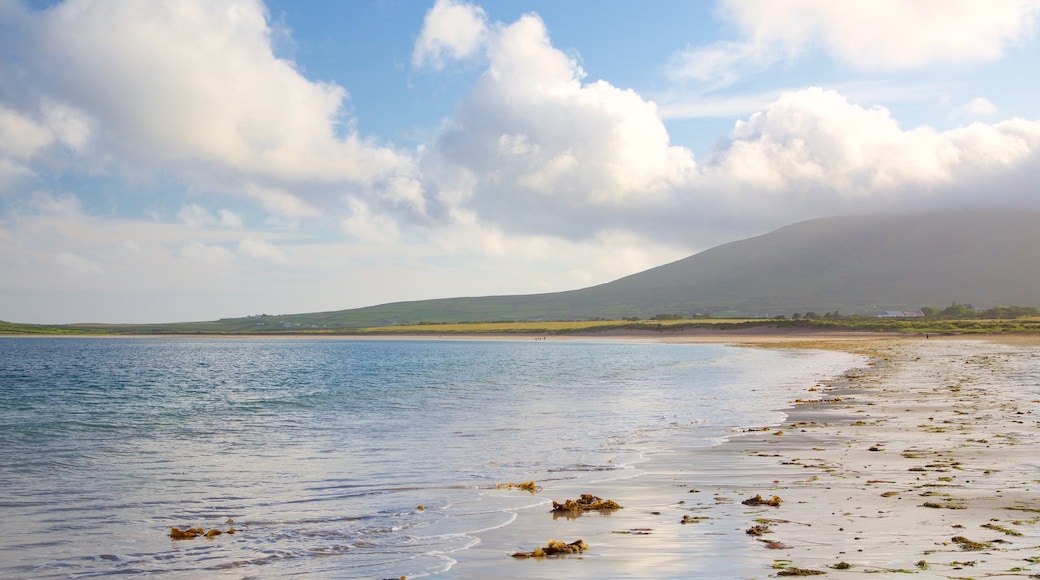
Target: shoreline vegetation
(936,324)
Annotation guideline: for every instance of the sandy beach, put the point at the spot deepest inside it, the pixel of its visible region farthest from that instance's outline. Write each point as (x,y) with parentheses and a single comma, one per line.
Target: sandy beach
(924,461)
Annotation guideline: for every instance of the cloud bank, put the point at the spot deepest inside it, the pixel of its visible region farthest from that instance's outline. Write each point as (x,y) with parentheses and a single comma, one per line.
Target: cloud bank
(193,88)
(536,148)
(876,35)
(248,174)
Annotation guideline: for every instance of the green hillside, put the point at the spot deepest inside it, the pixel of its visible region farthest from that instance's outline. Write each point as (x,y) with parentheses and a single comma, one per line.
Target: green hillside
(853,265)
(859,265)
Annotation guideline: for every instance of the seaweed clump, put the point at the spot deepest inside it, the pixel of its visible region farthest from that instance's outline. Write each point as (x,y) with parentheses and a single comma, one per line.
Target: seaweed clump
(190,533)
(969,545)
(555,548)
(799,572)
(688,519)
(758,530)
(587,502)
(759,500)
(526,486)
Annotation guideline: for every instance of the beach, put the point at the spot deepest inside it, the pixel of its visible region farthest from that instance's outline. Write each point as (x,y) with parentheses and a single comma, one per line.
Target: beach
(921,462)
(869,454)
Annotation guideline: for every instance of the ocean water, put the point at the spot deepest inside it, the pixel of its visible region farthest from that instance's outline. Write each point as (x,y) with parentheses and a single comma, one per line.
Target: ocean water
(321,450)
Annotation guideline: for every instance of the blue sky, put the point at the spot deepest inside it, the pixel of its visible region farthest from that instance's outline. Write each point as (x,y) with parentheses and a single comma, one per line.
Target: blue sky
(192,160)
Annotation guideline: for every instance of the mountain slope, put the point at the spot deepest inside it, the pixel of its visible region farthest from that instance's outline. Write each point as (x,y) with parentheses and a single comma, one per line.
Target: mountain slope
(856,263)
(851,264)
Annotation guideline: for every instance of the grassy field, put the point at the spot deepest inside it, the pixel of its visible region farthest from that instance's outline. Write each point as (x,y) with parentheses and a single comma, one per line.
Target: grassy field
(552,327)
(236,327)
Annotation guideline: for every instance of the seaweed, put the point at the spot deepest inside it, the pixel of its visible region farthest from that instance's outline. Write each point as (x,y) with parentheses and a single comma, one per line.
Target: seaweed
(191,533)
(688,519)
(758,530)
(554,548)
(799,572)
(526,486)
(587,502)
(969,545)
(759,500)
(1006,531)
(949,506)
(635,531)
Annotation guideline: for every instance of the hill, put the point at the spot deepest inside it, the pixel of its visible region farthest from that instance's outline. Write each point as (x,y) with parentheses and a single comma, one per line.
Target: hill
(860,264)
(853,265)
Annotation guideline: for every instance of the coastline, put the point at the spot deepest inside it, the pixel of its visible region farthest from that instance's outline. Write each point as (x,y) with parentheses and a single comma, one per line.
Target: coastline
(916,463)
(950,421)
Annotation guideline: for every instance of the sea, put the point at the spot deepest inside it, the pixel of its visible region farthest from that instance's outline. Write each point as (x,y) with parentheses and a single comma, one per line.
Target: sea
(339,458)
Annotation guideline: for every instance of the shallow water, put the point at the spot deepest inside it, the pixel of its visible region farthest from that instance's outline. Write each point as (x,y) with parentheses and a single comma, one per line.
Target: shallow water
(321,450)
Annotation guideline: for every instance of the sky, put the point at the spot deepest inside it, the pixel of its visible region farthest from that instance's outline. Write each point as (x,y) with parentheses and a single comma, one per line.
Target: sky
(188,160)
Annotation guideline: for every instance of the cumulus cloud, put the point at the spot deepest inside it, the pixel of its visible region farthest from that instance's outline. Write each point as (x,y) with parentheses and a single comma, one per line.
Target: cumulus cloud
(451,30)
(192,89)
(814,152)
(534,147)
(876,35)
(537,149)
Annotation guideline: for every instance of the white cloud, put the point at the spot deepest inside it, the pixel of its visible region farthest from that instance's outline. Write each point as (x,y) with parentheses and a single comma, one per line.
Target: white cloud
(976,108)
(544,263)
(280,202)
(207,253)
(723,63)
(78,265)
(195,216)
(406,192)
(230,218)
(70,126)
(451,30)
(192,89)
(261,250)
(20,137)
(12,172)
(25,136)
(45,202)
(813,152)
(368,227)
(533,148)
(875,35)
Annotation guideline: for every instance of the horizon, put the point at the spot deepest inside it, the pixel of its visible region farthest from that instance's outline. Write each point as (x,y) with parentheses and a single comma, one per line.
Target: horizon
(165,163)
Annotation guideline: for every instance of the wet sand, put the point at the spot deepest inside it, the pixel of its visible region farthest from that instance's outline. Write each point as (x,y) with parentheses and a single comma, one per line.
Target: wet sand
(924,461)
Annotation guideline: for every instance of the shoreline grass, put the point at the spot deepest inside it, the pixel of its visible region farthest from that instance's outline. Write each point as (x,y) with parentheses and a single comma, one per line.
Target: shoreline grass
(907,326)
